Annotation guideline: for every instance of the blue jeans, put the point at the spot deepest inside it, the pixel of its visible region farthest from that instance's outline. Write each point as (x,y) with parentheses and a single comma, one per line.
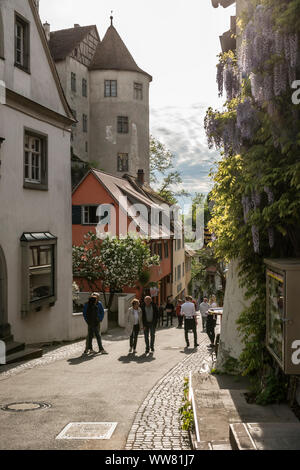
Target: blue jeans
(149,331)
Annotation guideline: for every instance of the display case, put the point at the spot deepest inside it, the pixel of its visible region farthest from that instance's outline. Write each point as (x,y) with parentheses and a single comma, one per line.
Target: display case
(283,313)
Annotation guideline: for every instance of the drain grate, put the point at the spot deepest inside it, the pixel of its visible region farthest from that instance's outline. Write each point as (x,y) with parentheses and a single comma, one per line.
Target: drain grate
(87,431)
(25,406)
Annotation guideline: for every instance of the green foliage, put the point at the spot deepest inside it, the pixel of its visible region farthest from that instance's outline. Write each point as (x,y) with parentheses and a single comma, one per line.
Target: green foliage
(186,411)
(270,160)
(161,164)
(205,259)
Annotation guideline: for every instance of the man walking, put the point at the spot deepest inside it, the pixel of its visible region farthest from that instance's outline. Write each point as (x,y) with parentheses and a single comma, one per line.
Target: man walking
(204,307)
(93,314)
(150,318)
(188,310)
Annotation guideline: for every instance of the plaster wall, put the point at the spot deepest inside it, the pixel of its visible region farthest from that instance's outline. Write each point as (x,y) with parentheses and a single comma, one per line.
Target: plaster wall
(26,210)
(234,304)
(105,141)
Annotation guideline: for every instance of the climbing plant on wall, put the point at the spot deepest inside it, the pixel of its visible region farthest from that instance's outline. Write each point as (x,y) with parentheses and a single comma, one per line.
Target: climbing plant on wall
(256,213)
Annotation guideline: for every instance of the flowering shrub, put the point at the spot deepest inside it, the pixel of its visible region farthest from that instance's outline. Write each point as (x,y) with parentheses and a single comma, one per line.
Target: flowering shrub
(113,262)
(256,214)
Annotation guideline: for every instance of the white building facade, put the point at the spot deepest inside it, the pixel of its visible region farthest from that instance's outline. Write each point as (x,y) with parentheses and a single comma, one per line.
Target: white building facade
(35,183)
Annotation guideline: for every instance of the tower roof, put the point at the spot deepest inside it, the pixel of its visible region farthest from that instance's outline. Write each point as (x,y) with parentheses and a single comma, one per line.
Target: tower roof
(112,54)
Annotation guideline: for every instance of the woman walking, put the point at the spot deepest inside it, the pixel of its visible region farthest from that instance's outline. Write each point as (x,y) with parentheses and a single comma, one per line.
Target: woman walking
(133,324)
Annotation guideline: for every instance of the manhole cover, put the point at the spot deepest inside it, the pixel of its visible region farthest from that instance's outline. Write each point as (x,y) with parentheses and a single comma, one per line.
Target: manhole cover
(25,406)
(87,431)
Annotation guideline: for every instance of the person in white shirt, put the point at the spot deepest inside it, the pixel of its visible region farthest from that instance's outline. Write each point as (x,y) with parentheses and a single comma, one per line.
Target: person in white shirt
(188,311)
(204,307)
(133,324)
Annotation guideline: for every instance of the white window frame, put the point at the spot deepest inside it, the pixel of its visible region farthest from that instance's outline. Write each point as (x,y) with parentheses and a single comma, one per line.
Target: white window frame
(34,163)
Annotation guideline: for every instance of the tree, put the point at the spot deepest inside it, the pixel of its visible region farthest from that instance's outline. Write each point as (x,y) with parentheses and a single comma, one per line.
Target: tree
(161,161)
(112,263)
(205,259)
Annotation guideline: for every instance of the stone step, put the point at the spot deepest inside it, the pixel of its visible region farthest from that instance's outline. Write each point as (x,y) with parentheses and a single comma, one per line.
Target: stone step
(265,436)
(25,355)
(13,347)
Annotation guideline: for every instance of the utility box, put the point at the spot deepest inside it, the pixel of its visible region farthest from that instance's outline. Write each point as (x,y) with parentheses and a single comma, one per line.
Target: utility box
(283,313)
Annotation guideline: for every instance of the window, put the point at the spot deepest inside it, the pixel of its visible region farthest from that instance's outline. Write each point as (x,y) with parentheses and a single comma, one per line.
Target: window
(179,272)
(89,214)
(73,81)
(138,91)
(110,88)
(123,125)
(1,37)
(84,87)
(84,123)
(35,161)
(123,164)
(86,147)
(39,270)
(166,249)
(179,244)
(21,43)
(159,250)
(183,269)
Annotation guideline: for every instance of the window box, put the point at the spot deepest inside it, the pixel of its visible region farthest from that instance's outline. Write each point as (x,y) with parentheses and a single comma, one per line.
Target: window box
(39,271)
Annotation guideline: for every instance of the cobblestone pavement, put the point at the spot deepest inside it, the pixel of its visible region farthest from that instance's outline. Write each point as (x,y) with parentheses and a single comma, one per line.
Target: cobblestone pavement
(157,425)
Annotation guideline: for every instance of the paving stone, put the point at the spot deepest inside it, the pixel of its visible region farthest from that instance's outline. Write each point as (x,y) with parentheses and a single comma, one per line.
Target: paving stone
(158,416)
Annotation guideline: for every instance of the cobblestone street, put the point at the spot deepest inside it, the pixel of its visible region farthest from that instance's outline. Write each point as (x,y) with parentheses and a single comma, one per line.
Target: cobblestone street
(157,425)
(147,393)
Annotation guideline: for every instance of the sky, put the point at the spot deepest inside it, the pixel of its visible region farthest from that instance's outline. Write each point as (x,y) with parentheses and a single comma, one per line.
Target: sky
(177,42)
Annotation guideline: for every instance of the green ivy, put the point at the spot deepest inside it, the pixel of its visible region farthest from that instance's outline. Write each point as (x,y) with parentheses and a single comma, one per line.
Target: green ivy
(186,410)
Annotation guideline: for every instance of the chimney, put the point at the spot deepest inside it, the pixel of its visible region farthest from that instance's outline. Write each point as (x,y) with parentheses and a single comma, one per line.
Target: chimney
(46,27)
(141,177)
(76,25)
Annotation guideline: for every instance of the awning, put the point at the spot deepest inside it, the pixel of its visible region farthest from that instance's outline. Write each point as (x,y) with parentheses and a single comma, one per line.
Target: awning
(37,237)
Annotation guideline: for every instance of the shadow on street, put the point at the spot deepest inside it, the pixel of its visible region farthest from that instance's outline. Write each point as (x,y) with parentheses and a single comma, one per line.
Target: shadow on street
(138,359)
(75,361)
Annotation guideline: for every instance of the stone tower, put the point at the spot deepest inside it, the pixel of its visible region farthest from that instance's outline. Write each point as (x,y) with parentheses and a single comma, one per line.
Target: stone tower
(119,109)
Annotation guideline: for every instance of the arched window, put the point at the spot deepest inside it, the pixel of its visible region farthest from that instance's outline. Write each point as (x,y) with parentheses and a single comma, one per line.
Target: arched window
(1,37)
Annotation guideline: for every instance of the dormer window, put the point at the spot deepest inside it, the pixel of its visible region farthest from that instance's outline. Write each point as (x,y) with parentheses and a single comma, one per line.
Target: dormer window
(21,43)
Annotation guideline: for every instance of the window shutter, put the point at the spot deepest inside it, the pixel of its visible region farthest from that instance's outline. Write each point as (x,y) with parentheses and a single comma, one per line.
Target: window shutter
(76,215)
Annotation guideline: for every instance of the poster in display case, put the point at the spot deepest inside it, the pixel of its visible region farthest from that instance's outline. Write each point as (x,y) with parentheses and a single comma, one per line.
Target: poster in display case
(283,313)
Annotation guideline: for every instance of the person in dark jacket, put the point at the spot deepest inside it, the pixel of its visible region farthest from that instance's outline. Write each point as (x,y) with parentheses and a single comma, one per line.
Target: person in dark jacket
(150,318)
(93,314)
(170,309)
